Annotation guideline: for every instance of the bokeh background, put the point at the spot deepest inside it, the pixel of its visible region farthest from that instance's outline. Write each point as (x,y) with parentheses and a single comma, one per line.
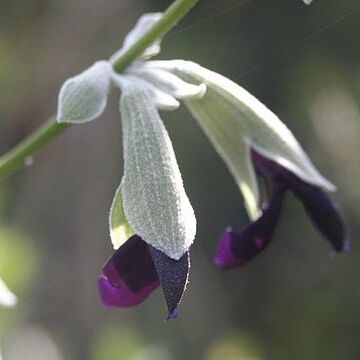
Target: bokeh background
(295,301)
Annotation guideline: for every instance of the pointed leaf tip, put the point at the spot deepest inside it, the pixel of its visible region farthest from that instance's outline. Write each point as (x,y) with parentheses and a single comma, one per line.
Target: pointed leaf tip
(83,97)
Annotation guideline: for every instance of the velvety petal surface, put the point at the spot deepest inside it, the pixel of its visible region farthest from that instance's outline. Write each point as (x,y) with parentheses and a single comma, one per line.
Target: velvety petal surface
(129,277)
(322,210)
(225,256)
(173,275)
(237,248)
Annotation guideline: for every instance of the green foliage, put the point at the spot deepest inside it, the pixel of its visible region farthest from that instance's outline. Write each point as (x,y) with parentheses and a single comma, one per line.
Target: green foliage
(116,343)
(19,259)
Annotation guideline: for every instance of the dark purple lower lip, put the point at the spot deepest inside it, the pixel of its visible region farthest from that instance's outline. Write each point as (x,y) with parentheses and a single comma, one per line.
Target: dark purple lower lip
(136,269)
(237,248)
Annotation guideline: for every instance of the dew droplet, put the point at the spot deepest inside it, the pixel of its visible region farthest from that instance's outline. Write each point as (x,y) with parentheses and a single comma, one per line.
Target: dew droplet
(29,160)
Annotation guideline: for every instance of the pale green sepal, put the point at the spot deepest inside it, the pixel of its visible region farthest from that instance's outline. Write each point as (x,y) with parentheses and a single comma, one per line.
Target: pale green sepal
(162,100)
(155,203)
(224,135)
(83,97)
(169,83)
(120,230)
(143,25)
(234,119)
(7,298)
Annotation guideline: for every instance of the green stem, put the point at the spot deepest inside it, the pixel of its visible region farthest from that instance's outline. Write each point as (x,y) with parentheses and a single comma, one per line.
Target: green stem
(171,17)
(50,130)
(16,157)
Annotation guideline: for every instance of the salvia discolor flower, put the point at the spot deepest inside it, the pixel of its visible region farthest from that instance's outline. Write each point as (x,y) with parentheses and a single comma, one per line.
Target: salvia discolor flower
(136,269)
(252,140)
(236,248)
(152,223)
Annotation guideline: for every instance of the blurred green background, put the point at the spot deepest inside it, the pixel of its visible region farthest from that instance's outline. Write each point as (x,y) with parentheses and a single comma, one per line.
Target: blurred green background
(295,301)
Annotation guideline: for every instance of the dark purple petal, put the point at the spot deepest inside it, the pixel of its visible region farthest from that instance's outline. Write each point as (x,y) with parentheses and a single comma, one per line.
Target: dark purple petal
(173,275)
(268,168)
(237,248)
(129,277)
(322,210)
(323,213)
(225,257)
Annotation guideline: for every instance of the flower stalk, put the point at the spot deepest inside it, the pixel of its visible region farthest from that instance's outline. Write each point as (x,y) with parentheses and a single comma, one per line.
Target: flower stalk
(16,157)
(51,129)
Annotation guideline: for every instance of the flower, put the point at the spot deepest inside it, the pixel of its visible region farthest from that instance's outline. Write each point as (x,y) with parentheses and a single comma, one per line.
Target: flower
(152,223)
(136,269)
(251,139)
(237,248)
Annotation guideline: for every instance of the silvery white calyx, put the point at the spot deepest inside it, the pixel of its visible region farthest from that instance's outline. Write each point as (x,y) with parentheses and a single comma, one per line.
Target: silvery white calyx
(7,298)
(152,223)
(307,2)
(154,200)
(151,201)
(235,121)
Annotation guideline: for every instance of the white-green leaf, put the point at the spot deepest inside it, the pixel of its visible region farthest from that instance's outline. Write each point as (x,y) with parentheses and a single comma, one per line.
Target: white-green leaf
(83,97)
(120,230)
(154,199)
(234,120)
(143,25)
(7,298)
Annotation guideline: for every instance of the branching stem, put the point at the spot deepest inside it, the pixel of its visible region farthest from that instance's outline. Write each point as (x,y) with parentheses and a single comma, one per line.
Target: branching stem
(50,130)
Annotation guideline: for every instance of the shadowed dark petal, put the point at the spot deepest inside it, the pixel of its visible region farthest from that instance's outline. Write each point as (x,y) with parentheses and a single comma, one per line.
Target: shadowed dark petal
(173,275)
(268,168)
(225,257)
(322,210)
(323,213)
(237,248)
(129,276)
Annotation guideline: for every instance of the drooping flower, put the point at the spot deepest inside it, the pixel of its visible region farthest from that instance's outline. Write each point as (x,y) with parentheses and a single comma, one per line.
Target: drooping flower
(152,223)
(251,139)
(236,248)
(136,269)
